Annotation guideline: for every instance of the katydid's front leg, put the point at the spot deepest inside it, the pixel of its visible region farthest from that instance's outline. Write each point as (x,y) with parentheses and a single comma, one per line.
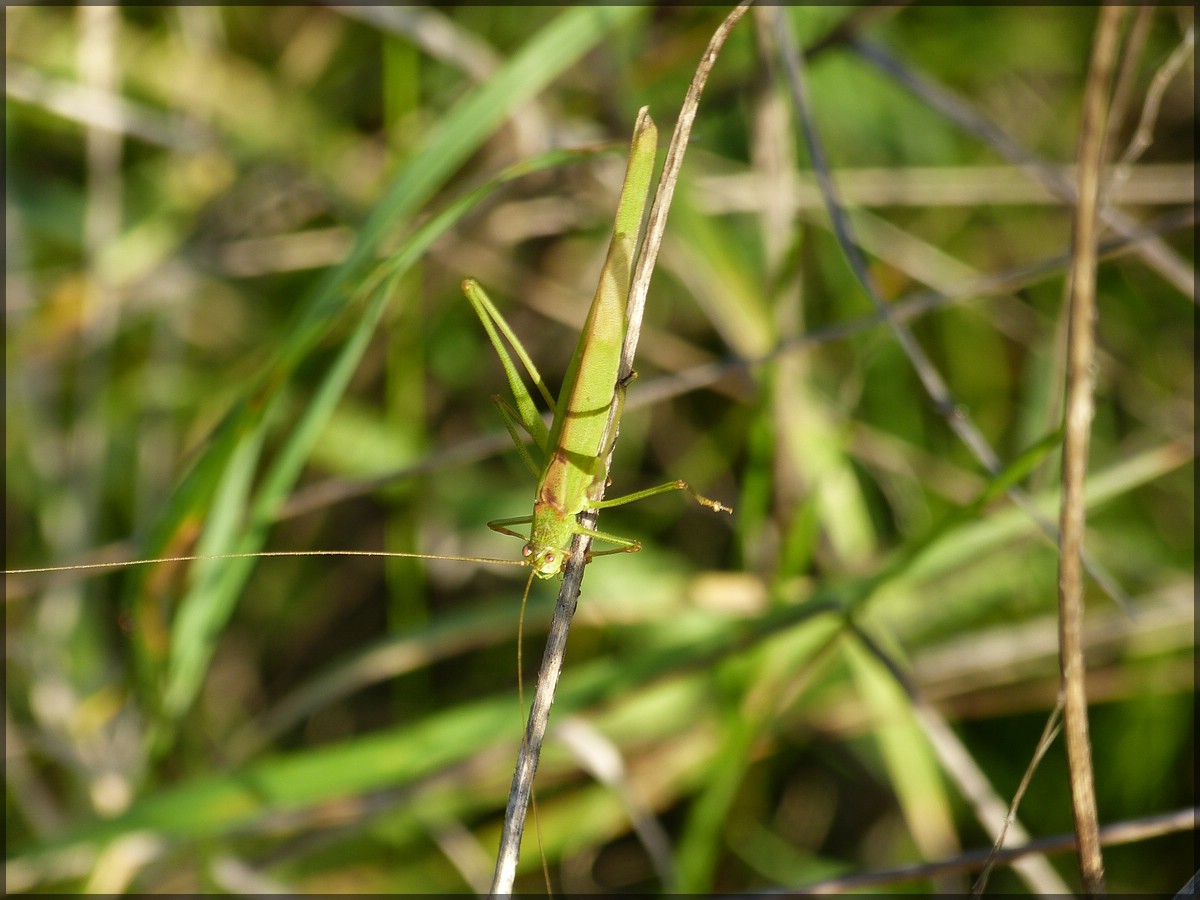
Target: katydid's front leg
(498,525)
(624,545)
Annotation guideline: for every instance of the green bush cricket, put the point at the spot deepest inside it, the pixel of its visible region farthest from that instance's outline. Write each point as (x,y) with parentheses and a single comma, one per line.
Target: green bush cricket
(573,470)
(575,449)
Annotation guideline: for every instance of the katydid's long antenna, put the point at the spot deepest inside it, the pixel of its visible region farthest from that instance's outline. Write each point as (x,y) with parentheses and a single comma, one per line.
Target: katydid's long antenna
(121,564)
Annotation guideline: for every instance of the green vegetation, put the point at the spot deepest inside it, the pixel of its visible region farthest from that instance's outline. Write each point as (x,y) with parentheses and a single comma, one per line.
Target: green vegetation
(235,243)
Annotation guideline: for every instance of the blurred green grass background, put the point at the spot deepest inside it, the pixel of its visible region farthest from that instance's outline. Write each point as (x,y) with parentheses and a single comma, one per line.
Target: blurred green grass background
(235,238)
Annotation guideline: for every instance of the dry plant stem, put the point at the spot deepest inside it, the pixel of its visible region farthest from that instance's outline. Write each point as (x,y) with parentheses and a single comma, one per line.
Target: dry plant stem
(1126,80)
(966,774)
(1049,733)
(509,853)
(656,223)
(1143,137)
(1080,359)
(1156,253)
(1128,832)
(547,683)
(954,414)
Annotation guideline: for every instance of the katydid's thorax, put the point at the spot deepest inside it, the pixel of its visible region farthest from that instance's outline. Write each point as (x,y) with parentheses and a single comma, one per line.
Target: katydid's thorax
(550,538)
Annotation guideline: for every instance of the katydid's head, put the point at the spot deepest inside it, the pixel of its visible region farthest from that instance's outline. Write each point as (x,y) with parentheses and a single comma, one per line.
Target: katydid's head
(545,561)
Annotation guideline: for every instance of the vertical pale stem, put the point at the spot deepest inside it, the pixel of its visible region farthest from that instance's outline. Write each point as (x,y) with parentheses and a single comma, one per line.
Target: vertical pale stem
(1080,362)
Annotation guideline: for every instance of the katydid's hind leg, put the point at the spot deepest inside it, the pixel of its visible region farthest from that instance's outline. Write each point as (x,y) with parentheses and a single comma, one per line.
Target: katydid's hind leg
(663,489)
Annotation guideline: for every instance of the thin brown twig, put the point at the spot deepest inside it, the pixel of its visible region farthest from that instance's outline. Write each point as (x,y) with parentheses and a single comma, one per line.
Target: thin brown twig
(656,224)
(1127,832)
(1049,733)
(1081,352)
(1143,136)
(564,610)
(928,374)
(1157,254)
(1125,82)
(966,774)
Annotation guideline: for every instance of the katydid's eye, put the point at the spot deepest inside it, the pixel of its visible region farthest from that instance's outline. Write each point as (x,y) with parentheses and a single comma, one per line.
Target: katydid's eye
(526,552)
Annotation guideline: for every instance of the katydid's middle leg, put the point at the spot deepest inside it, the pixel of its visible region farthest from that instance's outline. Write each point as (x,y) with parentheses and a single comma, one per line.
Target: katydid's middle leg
(678,485)
(627,545)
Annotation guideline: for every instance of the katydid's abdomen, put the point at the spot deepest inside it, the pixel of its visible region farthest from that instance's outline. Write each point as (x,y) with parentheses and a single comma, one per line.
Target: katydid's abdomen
(575,465)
